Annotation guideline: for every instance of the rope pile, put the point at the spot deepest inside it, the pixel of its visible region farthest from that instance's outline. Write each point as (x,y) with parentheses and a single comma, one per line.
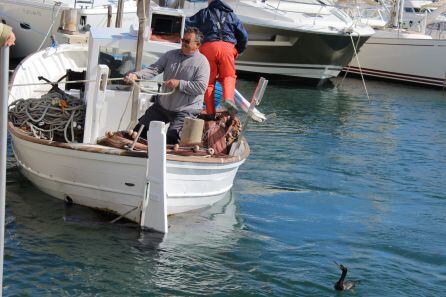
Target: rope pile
(54,116)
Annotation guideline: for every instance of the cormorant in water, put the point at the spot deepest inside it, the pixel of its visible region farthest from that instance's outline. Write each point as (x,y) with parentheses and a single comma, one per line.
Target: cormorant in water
(341,284)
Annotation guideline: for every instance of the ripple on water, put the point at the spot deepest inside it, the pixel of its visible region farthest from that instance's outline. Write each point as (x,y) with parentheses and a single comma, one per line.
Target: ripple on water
(333,177)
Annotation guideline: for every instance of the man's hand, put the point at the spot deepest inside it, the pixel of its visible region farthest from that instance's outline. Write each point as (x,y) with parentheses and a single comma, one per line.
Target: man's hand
(10,40)
(172,83)
(130,77)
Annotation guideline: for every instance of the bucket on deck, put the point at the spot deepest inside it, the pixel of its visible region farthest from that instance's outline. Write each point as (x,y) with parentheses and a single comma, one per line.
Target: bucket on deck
(192,132)
(70,20)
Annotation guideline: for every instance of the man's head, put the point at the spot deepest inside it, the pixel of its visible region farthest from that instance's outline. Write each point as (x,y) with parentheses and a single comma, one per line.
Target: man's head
(191,40)
(210,1)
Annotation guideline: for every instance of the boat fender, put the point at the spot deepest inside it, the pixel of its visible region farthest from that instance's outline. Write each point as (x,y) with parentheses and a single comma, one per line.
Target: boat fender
(70,19)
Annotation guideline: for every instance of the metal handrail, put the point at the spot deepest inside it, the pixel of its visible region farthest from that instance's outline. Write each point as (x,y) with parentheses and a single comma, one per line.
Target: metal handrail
(91,2)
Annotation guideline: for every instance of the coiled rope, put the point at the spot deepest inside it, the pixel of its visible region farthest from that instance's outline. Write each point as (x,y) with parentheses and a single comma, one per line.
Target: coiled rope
(55,115)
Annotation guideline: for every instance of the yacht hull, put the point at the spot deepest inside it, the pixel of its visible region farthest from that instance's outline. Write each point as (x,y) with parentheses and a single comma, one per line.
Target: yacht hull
(307,52)
(32,21)
(405,59)
(303,54)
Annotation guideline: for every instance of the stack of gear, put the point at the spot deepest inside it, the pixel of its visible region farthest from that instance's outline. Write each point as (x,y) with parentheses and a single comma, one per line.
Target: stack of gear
(55,116)
(221,133)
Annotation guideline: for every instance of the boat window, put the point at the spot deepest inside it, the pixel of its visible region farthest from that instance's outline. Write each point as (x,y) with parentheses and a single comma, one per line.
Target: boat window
(312,15)
(121,62)
(408,9)
(261,37)
(166,28)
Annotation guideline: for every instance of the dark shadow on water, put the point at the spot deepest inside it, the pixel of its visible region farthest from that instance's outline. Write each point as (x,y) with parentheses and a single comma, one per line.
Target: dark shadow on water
(287,82)
(47,215)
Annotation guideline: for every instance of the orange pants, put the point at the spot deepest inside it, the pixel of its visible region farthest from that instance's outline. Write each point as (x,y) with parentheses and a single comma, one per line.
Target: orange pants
(221,56)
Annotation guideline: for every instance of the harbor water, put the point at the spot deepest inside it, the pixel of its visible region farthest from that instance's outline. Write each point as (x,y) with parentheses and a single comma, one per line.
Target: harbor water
(333,177)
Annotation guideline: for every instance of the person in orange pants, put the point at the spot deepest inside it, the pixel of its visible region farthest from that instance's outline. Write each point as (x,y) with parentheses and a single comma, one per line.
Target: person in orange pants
(221,56)
(224,39)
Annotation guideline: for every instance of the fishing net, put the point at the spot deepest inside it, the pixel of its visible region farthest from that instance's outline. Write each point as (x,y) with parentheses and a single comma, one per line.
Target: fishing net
(54,116)
(220,133)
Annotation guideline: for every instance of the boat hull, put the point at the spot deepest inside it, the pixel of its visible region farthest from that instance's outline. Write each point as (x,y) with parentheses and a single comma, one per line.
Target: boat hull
(304,54)
(411,60)
(117,183)
(290,51)
(32,20)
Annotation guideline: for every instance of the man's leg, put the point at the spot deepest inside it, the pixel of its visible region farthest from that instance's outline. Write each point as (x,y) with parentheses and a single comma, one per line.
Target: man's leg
(227,76)
(176,124)
(154,113)
(210,51)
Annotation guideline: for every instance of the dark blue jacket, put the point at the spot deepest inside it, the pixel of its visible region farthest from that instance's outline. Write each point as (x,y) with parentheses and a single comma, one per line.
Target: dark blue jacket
(232,28)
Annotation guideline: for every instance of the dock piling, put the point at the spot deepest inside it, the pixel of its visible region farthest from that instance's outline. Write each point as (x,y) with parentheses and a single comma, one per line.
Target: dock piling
(4,75)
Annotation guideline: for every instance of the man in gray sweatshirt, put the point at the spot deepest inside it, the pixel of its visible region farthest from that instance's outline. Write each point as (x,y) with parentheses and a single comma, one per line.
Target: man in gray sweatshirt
(186,71)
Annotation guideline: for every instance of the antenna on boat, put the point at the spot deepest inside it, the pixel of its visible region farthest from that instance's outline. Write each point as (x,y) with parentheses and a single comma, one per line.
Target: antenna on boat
(4,65)
(141,10)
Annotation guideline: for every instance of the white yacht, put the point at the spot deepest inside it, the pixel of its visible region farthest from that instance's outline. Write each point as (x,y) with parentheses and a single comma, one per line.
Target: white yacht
(404,55)
(34,21)
(307,39)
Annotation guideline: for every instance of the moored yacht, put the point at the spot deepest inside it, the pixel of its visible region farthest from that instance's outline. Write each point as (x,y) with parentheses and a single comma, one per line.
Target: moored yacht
(400,54)
(34,21)
(307,39)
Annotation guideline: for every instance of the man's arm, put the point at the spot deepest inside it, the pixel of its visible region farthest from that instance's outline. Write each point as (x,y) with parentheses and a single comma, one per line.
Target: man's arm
(154,69)
(241,35)
(149,72)
(196,86)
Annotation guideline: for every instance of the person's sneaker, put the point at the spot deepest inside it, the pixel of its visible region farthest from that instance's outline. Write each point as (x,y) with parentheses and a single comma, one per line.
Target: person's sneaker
(229,106)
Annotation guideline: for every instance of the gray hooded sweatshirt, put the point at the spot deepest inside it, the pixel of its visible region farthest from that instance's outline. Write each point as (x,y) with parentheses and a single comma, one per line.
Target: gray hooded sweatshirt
(193,73)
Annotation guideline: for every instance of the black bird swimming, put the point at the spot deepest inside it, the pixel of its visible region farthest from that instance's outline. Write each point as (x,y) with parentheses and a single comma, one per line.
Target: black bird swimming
(341,284)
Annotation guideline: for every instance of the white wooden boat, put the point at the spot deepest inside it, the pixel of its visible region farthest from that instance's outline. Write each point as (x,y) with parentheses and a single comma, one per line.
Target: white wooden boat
(103,177)
(402,54)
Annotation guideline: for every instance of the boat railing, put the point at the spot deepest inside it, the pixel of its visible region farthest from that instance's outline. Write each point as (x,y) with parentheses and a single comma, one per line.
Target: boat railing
(83,3)
(301,10)
(366,13)
(317,10)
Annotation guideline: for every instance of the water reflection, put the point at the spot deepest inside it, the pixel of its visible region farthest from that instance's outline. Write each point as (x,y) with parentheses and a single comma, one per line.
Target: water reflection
(333,177)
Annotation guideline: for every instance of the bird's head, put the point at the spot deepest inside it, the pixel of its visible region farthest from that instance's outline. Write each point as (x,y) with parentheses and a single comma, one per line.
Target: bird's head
(340,266)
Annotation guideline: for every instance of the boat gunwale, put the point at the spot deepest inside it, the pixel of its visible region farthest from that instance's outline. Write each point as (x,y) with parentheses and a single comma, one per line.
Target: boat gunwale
(100,149)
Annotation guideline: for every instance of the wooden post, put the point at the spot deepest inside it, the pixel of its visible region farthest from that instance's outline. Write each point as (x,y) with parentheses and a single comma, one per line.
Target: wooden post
(154,207)
(142,11)
(109,15)
(119,14)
